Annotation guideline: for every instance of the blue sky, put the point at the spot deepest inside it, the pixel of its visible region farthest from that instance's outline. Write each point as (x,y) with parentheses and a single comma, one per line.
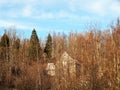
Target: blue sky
(47,16)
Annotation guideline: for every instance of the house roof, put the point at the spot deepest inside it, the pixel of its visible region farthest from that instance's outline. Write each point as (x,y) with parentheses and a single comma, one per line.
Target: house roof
(66,57)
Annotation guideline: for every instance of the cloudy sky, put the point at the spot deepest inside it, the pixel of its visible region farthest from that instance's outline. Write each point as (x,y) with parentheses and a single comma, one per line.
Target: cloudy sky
(56,15)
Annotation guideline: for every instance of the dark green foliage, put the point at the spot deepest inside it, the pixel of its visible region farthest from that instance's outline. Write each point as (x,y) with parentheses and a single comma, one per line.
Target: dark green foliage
(48,47)
(4,47)
(5,41)
(34,49)
(17,44)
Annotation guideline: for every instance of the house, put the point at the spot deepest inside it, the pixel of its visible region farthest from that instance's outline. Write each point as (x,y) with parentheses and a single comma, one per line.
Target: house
(50,69)
(66,66)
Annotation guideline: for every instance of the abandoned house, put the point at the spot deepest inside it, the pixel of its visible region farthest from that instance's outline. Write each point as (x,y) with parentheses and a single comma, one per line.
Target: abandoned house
(66,65)
(50,69)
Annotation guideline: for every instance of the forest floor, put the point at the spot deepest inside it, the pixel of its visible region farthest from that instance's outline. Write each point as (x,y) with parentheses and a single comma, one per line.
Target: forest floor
(6,88)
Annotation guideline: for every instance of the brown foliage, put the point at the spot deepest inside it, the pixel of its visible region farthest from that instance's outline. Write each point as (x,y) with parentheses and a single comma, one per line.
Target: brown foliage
(97,52)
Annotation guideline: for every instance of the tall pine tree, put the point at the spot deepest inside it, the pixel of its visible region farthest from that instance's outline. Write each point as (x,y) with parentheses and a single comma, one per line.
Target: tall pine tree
(34,49)
(5,41)
(48,47)
(16,44)
(4,46)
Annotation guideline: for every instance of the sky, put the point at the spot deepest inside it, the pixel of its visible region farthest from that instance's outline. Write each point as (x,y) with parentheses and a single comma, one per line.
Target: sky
(48,16)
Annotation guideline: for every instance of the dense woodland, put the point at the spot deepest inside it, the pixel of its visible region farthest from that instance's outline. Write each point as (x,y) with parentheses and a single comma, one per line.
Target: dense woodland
(23,61)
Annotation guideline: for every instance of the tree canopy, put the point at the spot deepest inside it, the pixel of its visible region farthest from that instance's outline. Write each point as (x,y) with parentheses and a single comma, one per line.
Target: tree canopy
(48,47)
(5,42)
(34,48)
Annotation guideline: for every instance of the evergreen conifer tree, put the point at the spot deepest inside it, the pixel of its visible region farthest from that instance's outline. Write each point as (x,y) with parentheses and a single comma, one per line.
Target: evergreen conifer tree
(17,44)
(5,41)
(48,47)
(4,46)
(34,49)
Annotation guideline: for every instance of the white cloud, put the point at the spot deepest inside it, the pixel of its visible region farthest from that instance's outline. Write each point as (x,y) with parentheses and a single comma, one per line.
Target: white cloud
(6,24)
(33,7)
(22,26)
(27,11)
(115,8)
(97,7)
(74,10)
(57,15)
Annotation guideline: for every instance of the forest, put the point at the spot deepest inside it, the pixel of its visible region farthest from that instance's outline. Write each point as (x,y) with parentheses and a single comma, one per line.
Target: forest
(23,62)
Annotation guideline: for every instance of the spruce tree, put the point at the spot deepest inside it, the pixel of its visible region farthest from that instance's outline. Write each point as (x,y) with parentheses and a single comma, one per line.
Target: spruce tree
(34,49)
(5,41)
(48,47)
(4,46)
(16,44)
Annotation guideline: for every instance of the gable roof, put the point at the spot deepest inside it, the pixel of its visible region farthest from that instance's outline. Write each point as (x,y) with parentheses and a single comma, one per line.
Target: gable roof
(66,57)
